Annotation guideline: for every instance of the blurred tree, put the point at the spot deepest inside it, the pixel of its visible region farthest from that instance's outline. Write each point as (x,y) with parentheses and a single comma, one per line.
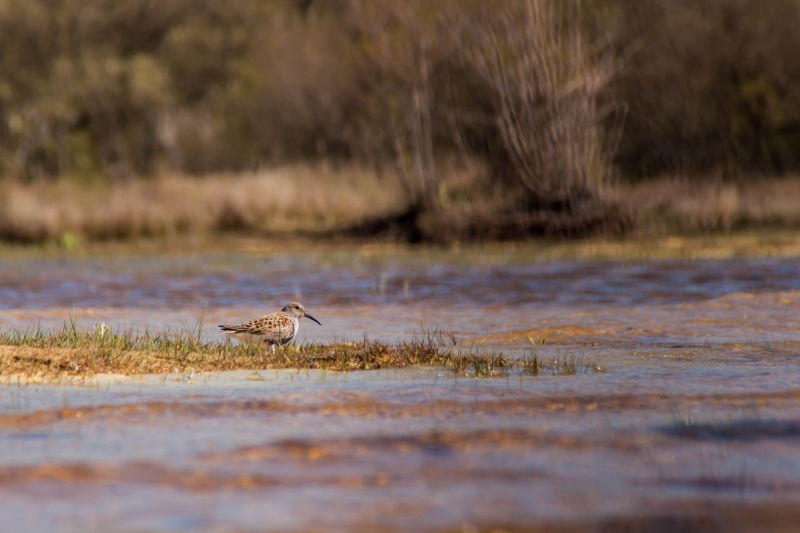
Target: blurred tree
(123,88)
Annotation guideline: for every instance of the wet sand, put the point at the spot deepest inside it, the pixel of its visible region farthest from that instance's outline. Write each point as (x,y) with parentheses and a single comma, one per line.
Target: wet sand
(693,424)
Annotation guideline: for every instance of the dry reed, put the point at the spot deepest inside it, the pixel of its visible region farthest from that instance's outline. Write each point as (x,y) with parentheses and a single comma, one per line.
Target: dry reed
(316,202)
(281,200)
(682,205)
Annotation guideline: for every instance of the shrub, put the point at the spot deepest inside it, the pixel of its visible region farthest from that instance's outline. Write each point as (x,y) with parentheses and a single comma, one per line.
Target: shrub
(713,86)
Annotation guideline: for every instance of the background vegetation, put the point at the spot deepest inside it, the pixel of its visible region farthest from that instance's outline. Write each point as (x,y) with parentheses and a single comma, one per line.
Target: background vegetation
(482,119)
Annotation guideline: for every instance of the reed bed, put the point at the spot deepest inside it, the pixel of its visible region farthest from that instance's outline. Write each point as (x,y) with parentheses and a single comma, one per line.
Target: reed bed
(288,199)
(320,202)
(685,205)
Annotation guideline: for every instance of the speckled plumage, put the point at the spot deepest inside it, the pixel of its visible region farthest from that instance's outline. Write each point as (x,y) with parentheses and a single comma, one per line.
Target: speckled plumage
(273,329)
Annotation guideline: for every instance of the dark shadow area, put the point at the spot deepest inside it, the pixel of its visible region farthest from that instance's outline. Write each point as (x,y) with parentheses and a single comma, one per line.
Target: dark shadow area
(699,517)
(742,430)
(470,225)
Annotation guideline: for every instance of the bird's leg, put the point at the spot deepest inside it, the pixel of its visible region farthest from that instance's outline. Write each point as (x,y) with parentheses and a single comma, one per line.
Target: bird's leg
(273,348)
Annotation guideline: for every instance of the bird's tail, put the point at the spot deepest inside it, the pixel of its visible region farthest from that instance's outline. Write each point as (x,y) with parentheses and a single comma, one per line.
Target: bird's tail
(228,328)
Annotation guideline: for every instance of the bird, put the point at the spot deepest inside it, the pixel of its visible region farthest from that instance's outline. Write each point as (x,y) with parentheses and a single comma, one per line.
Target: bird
(278,328)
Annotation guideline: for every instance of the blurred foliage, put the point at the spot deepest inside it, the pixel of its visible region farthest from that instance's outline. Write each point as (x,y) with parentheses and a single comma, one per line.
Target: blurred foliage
(711,86)
(90,86)
(124,88)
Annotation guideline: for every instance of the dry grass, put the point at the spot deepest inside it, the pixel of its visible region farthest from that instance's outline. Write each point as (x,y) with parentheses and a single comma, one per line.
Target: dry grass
(675,205)
(157,356)
(71,352)
(315,201)
(288,199)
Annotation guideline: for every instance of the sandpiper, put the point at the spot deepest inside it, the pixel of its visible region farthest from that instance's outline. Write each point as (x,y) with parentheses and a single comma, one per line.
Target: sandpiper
(272,329)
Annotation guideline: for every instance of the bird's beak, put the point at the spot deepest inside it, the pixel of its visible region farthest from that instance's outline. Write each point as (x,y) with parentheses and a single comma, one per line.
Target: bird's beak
(314,319)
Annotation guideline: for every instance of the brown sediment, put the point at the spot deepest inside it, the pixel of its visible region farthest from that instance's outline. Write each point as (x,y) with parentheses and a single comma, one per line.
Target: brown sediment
(86,356)
(437,442)
(701,515)
(365,408)
(565,333)
(141,472)
(511,403)
(215,476)
(232,469)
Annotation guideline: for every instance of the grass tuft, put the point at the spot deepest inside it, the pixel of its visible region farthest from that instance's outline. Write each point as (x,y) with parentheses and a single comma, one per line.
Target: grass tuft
(568,365)
(71,352)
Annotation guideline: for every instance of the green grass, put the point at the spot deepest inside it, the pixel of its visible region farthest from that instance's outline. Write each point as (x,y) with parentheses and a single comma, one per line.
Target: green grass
(481,364)
(71,351)
(565,365)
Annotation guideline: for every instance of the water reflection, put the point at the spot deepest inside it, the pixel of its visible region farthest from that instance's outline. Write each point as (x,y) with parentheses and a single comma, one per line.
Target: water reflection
(699,407)
(246,280)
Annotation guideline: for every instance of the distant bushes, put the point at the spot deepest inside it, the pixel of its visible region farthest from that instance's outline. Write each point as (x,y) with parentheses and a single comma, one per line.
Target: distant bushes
(712,86)
(124,87)
(117,87)
(550,97)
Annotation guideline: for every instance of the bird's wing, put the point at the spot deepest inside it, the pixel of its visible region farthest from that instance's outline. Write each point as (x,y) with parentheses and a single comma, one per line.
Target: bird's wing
(275,327)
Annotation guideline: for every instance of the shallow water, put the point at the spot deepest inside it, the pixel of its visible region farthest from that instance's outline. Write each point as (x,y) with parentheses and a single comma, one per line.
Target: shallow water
(693,420)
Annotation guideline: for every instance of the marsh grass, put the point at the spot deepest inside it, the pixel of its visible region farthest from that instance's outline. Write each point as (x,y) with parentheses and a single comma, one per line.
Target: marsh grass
(481,364)
(73,352)
(692,205)
(296,199)
(562,365)
(319,202)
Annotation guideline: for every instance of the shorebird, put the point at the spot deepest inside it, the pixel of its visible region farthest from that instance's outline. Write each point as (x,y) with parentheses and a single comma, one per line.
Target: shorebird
(272,329)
